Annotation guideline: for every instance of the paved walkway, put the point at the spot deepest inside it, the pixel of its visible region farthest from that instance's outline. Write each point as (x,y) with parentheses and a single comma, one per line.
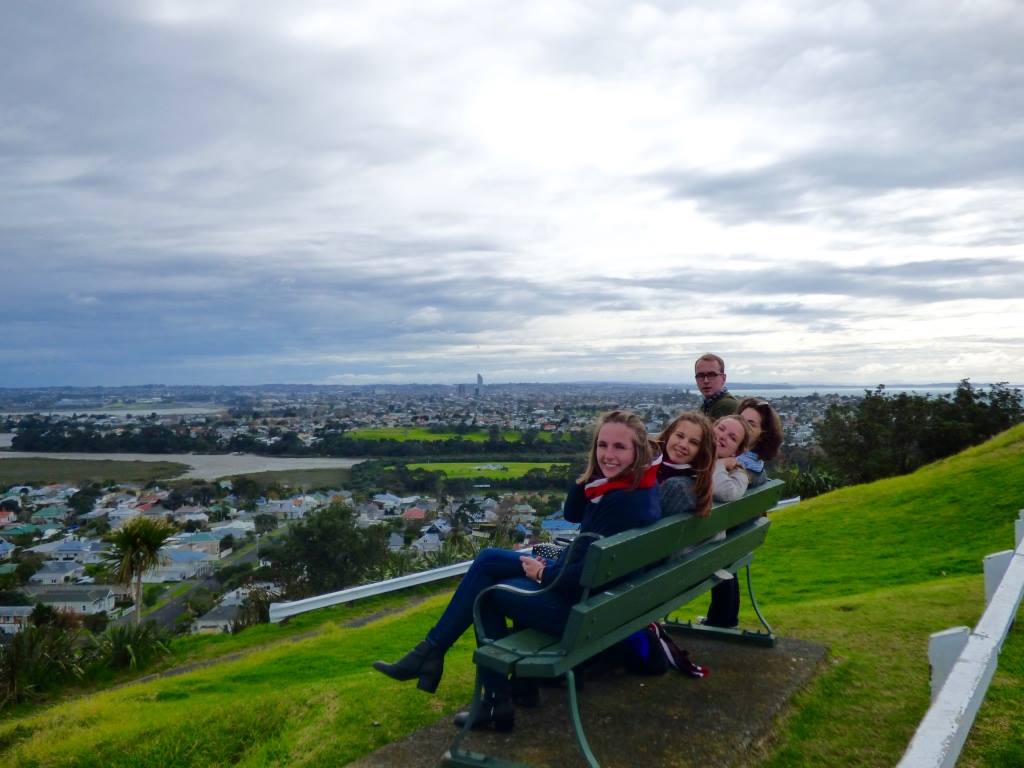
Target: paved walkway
(718,721)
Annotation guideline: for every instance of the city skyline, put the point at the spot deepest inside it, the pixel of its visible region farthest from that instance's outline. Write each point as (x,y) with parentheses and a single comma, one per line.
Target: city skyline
(231,193)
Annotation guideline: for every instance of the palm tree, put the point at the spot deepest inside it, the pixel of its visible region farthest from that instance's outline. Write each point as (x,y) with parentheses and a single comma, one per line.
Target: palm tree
(136,550)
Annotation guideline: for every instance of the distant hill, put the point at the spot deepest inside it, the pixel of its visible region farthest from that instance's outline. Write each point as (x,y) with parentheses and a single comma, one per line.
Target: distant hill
(868,571)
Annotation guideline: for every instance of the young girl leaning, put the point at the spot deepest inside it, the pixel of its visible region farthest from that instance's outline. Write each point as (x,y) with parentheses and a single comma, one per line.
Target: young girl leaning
(688,459)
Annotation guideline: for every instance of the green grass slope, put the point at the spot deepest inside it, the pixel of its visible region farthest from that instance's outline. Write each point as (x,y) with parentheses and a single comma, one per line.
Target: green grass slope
(869,571)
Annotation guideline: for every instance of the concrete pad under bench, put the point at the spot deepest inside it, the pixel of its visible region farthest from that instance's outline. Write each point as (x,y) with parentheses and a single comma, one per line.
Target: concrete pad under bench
(670,720)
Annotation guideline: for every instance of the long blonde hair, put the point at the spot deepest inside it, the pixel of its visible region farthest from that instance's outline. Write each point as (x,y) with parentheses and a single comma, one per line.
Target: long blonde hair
(642,449)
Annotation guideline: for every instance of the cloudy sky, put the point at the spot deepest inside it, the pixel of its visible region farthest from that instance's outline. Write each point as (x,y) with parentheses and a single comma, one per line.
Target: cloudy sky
(208,191)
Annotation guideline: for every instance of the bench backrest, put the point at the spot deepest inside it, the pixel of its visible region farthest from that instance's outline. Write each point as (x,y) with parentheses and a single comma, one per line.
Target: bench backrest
(659,575)
(611,558)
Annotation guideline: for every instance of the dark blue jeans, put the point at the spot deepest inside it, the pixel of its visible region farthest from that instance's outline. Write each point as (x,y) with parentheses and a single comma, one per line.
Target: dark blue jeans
(547,612)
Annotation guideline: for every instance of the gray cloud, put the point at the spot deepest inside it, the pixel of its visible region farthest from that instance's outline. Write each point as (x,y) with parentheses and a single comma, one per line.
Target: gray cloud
(212,198)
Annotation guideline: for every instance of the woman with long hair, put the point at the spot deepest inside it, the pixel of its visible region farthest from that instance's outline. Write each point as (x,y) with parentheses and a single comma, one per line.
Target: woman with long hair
(732,436)
(616,492)
(766,437)
(688,461)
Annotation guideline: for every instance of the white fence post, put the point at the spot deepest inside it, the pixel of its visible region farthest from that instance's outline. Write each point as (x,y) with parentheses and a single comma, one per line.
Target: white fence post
(1018,529)
(944,648)
(995,566)
(942,732)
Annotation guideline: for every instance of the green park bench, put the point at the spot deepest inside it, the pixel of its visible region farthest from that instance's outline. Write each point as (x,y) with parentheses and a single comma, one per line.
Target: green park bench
(653,571)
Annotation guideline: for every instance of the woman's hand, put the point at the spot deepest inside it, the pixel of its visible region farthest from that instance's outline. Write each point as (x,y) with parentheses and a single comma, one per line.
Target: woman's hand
(730,463)
(533,567)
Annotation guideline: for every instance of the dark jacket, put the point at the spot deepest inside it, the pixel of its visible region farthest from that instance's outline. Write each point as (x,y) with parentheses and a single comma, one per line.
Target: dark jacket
(615,512)
(722,404)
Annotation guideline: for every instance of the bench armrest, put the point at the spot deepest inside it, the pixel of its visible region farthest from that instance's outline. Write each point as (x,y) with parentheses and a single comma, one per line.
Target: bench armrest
(478,623)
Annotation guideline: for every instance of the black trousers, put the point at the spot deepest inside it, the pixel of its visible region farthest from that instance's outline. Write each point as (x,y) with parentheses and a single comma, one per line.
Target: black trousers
(724,610)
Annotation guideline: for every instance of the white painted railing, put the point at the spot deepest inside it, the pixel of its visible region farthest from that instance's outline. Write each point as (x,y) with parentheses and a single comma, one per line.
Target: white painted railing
(963,663)
(281,611)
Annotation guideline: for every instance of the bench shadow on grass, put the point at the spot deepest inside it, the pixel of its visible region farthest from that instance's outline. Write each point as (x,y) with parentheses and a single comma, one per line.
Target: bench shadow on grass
(670,720)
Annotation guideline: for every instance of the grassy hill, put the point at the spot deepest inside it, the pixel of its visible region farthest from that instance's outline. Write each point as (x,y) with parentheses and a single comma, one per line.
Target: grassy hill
(869,571)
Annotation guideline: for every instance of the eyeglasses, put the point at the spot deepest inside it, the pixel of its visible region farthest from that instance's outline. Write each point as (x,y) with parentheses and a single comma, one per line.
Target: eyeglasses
(706,376)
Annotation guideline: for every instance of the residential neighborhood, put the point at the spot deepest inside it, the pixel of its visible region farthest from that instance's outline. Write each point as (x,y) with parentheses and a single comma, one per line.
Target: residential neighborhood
(64,560)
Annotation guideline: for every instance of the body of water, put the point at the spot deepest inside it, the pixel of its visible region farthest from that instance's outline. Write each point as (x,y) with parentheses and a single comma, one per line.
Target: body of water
(769,394)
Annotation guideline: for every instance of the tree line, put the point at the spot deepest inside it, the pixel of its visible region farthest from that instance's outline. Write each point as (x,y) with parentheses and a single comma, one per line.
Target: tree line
(886,434)
(43,433)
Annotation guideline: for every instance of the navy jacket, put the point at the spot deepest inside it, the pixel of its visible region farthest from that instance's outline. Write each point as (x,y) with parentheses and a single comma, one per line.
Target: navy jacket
(615,512)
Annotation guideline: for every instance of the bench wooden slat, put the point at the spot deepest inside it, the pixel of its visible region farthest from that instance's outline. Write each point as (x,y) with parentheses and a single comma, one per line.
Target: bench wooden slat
(605,611)
(502,654)
(613,615)
(556,666)
(616,556)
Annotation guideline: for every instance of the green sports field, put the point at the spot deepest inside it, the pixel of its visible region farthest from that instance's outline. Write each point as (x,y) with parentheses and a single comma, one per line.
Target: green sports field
(484,468)
(402,434)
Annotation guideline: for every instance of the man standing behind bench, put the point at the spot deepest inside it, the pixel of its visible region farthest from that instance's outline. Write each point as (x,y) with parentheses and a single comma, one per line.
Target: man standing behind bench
(709,372)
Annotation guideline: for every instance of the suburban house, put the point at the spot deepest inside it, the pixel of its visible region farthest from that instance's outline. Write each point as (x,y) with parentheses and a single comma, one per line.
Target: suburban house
(14,618)
(428,542)
(120,515)
(387,501)
(76,598)
(191,515)
(240,594)
(49,516)
(57,572)
(414,515)
(6,549)
(441,527)
(200,542)
(8,516)
(396,542)
(178,564)
(217,620)
(72,550)
(234,527)
(21,529)
(558,526)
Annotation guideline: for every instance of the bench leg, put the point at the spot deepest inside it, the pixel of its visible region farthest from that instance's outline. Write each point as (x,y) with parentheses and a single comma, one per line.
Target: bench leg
(753,604)
(577,723)
(766,639)
(456,756)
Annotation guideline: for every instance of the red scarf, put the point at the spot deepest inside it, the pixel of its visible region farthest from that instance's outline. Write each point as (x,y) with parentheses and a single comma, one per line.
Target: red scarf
(595,489)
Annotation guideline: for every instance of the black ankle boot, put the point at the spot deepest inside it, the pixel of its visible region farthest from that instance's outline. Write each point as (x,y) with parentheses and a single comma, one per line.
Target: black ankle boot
(495,710)
(425,661)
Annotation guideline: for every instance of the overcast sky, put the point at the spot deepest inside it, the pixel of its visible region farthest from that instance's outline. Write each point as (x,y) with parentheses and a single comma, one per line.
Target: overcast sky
(220,192)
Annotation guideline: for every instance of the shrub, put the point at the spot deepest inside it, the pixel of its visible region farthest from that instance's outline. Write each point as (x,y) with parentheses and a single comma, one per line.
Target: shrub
(129,646)
(96,622)
(37,659)
(810,482)
(151,594)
